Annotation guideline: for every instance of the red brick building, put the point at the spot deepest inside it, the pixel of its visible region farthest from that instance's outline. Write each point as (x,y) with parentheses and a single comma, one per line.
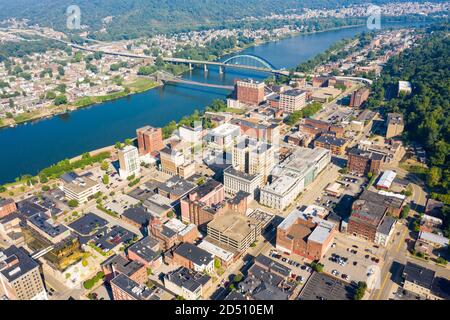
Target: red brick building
(149,140)
(7,206)
(250,91)
(358,97)
(195,206)
(119,264)
(363,162)
(305,235)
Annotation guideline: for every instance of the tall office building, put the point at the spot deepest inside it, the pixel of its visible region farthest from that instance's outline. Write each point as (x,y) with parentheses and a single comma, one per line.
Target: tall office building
(292,100)
(129,162)
(395,125)
(19,275)
(250,91)
(253,157)
(149,140)
(358,97)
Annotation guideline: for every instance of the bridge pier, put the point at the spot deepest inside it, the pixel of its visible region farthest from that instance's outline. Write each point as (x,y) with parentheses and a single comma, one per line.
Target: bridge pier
(190,66)
(221,70)
(205,67)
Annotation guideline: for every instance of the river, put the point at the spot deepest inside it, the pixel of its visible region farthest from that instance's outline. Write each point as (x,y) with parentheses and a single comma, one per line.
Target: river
(30,147)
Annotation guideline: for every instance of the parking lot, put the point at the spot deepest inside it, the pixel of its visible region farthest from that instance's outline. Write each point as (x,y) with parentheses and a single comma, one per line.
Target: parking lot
(353,260)
(300,270)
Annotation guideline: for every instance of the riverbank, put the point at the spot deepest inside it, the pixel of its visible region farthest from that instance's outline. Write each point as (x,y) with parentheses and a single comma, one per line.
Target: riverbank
(137,86)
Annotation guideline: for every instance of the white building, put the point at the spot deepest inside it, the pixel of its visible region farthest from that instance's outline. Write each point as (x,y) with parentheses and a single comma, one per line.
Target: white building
(223,136)
(292,100)
(191,135)
(78,188)
(293,175)
(129,162)
(235,181)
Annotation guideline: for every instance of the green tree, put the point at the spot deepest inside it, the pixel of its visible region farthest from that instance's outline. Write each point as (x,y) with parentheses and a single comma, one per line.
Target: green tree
(59,100)
(360,290)
(73,203)
(105,179)
(104,166)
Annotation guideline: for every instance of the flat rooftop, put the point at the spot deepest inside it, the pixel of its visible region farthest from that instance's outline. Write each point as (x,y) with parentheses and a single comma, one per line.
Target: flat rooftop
(324,287)
(88,224)
(233,225)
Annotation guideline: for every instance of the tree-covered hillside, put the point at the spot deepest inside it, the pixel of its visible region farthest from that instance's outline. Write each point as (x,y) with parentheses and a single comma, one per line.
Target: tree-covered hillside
(131,18)
(427,110)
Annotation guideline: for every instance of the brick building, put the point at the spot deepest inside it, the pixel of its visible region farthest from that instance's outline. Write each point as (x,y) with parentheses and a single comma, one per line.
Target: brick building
(146,251)
(358,97)
(7,206)
(335,145)
(362,162)
(250,92)
(149,139)
(119,264)
(194,207)
(305,235)
(192,257)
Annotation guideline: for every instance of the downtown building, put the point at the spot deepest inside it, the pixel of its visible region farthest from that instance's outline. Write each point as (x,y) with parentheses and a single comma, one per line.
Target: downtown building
(250,92)
(150,140)
(129,162)
(20,277)
(291,177)
(292,100)
(305,234)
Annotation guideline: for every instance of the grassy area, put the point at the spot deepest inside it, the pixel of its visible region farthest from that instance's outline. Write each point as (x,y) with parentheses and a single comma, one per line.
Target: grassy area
(27,116)
(235,110)
(87,101)
(141,84)
(418,169)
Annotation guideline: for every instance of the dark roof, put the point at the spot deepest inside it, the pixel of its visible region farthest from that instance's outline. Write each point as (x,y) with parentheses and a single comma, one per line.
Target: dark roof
(418,275)
(29,208)
(23,265)
(386,225)
(4,202)
(261,274)
(145,249)
(40,220)
(240,174)
(88,223)
(194,254)
(206,188)
(138,215)
(441,288)
(267,291)
(121,264)
(324,287)
(273,265)
(187,279)
(365,154)
(131,287)
(331,140)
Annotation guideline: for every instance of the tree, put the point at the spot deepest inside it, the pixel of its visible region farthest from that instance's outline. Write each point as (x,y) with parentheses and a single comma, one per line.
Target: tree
(73,203)
(59,100)
(128,142)
(118,145)
(105,179)
(434,176)
(104,166)
(159,62)
(217,263)
(360,290)
(318,267)
(405,212)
